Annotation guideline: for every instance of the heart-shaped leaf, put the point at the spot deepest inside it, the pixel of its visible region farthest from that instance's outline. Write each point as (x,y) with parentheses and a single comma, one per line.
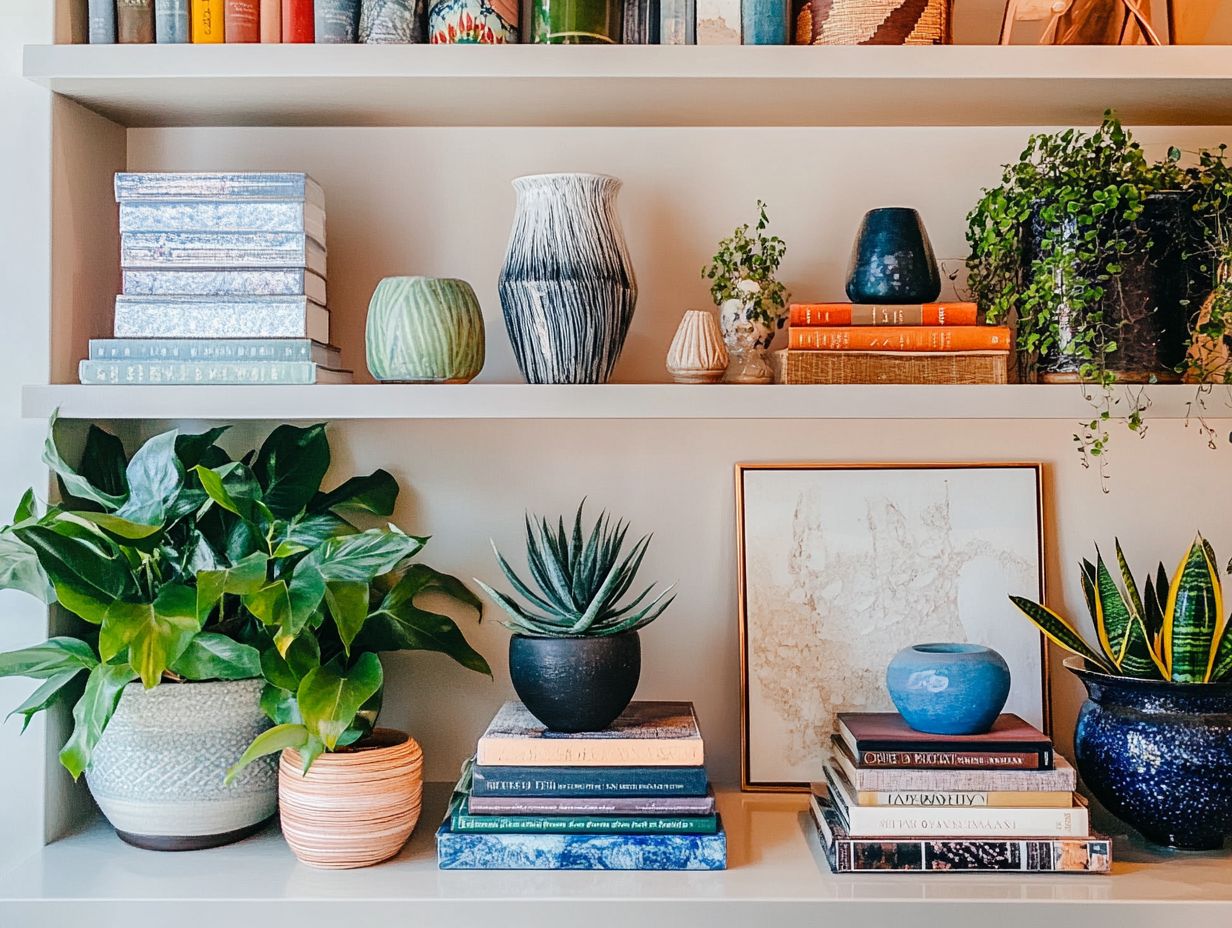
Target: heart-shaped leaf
(88,573)
(248,576)
(290,467)
(102,451)
(376,493)
(330,696)
(156,633)
(347,601)
(213,656)
(155,477)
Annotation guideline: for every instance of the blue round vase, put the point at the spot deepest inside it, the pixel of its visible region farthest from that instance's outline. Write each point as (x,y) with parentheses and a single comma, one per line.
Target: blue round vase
(892,260)
(1158,755)
(949,689)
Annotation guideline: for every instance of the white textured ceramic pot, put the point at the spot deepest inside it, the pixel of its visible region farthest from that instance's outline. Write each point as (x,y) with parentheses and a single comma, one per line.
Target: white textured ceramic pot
(157,772)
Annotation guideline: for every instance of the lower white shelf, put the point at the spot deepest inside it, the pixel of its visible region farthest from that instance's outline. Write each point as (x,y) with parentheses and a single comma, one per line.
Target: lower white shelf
(610,401)
(776,879)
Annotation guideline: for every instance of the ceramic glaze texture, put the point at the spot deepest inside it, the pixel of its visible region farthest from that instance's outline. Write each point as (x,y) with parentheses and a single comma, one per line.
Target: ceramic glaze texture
(892,259)
(157,772)
(576,684)
(949,689)
(567,286)
(424,330)
(1158,755)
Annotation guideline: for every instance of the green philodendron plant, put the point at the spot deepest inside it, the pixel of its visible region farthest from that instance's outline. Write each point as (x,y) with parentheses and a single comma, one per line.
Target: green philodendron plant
(581,582)
(1166,630)
(185,564)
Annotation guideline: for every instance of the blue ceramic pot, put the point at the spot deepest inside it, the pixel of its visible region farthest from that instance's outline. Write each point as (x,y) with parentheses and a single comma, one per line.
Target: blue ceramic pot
(892,260)
(949,689)
(1158,755)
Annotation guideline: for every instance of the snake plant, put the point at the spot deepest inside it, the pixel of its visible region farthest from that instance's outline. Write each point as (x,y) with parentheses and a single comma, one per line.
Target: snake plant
(1166,630)
(581,582)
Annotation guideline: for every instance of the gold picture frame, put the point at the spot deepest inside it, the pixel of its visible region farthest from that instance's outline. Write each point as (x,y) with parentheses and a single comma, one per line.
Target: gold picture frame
(1035,471)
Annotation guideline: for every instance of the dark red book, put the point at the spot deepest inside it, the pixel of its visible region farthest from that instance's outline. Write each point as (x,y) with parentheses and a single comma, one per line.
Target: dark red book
(297,21)
(242,20)
(884,739)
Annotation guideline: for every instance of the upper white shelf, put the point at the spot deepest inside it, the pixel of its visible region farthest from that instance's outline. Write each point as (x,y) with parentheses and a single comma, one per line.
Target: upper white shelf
(612,401)
(637,85)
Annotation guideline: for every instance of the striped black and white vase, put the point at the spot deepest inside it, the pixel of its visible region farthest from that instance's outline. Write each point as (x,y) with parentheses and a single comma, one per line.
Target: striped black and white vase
(567,285)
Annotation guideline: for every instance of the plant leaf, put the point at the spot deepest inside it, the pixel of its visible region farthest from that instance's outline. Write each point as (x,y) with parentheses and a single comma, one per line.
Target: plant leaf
(272,741)
(363,556)
(287,671)
(192,449)
(52,657)
(235,489)
(88,574)
(50,691)
(330,696)
(156,633)
(347,601)
(20,569)
(155,477)
(376,493)
(1134,601)
(77,484)
(1191,618)
(92,713)
(213,656)
(290,467)
(1059,631)
(1112,615)
(248,576)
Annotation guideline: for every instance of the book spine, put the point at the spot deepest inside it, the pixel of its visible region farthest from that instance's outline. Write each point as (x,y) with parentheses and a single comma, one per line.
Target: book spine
(465,822)
(962,799)
(573,782)
(619,805)
(135,22)
(865,821)
(172,22)
(520,752)
(641,22)
(218,249)
(151,321)
(208,22)
(101,15)
(224,216)
(764,22)
(271,21)
(217,185)
(176,372)
(579,852)
(297,21)
(829,314)
(718,22)
(678,22)
(335,21)
(899,338)
(232,282)
(958,760)
(242,20)
(200,349)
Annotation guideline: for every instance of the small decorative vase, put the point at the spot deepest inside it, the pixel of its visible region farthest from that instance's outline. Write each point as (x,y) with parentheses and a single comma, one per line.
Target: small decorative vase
(892,259)
(576,684)
(355,807)
(473,22)
(567,286)
(735,313)
(157,771)
(949,689)
(424,330)
(1158,755)
(391,22)
(697,353)
(577,22)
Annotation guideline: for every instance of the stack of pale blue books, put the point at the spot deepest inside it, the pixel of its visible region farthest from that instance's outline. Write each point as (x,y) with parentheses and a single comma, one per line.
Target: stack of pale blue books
(223,283)
(632,797)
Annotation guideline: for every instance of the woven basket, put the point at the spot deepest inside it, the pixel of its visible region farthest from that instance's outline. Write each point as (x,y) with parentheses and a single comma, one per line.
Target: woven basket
(872,22)
(354,808)
(891,367)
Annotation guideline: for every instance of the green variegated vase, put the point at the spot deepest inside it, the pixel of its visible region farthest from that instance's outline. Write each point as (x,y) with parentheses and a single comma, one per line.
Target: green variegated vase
(424,330)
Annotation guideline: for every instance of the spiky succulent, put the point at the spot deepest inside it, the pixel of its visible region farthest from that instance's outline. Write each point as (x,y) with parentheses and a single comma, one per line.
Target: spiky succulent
(581,582)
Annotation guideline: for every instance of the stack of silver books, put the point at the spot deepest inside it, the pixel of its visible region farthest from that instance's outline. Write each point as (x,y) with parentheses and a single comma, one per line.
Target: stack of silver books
(223,280)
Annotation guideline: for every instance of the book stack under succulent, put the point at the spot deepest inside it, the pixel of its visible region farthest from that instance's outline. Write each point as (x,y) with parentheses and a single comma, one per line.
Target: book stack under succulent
(223,283)
(632,797)
(898,799)
(892,343)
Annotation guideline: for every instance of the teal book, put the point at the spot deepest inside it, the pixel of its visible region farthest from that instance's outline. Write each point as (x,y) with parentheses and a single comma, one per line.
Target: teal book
(230,373)
(214,349)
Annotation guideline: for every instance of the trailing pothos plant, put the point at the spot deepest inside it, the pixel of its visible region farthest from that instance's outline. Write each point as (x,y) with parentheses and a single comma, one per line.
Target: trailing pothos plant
(1171,630)
(185,564)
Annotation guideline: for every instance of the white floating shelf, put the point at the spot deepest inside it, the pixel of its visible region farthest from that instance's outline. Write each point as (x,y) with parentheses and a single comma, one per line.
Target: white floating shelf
(637,85)
(777,876)
(611,401)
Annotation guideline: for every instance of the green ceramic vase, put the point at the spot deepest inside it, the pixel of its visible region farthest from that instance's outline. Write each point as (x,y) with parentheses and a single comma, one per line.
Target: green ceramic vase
(424,330)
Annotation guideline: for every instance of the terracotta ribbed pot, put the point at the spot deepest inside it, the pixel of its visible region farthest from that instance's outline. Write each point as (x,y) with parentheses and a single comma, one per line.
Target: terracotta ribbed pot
(355,808)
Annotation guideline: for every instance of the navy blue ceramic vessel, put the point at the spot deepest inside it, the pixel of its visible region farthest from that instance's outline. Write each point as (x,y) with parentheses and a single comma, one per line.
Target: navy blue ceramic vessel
(1158,755)
(576,684)
(949,688)
(892,260)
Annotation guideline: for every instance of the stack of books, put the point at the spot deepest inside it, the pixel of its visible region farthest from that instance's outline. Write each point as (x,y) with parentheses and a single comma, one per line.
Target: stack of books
(899,799)
(223,283)
(866,343)
(632,797)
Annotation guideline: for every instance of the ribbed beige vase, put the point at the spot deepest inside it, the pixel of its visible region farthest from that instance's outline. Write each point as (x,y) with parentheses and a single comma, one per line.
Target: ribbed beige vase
(424,330)
(697,353)
(355,808)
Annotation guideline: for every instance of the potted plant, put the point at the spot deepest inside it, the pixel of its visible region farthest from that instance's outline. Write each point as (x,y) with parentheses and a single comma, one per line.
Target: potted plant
(176,562)
(1154,737)
(575,656)
(752,302)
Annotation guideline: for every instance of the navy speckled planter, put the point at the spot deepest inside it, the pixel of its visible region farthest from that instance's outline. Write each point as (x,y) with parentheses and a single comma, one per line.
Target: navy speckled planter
(892,259)
(576,684)
(1158,755)
(949,688)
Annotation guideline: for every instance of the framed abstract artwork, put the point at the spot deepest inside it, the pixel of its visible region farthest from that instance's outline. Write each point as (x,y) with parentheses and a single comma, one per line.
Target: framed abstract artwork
(842,565)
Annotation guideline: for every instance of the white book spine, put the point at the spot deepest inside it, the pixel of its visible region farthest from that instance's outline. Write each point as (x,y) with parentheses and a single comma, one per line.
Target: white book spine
(966,823)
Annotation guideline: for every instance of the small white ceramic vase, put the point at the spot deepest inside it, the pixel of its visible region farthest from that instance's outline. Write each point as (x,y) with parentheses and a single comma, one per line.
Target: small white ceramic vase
(697,353)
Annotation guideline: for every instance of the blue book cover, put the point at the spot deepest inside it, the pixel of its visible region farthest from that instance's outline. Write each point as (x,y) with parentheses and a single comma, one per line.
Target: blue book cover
(579,852)
(764,22)
(101,21)
(567,782)
(171,22)
(214,349)
(166,373)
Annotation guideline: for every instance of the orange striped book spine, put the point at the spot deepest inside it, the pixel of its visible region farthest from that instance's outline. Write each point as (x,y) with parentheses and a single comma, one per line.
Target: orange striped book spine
(808,314)
(900,338)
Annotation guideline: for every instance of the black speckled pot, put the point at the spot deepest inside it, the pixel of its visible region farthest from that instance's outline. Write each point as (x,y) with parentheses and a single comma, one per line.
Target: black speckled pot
(576,684)
(1158,755)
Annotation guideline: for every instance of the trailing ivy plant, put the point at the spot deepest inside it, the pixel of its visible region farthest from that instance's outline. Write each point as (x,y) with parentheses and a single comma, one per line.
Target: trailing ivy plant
(184,564)
(744,269)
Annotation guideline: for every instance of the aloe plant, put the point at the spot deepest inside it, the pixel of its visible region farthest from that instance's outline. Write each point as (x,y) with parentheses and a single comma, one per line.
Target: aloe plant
(1164,630)
(581,581)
